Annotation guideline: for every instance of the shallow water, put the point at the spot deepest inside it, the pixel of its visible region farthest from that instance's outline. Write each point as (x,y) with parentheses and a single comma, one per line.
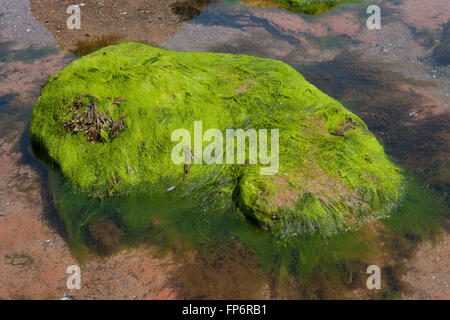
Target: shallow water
(383,76)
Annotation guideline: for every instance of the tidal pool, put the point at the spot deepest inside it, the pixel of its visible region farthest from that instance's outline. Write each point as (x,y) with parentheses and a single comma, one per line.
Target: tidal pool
(308,266)
(220,254)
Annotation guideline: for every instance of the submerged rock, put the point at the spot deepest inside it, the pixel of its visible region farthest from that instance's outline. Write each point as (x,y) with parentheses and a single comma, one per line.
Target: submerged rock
(309,7)
(332,175)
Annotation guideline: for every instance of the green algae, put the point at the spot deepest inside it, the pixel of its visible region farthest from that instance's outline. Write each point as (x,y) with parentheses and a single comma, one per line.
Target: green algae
(333,174)
(308,266)
(309,7)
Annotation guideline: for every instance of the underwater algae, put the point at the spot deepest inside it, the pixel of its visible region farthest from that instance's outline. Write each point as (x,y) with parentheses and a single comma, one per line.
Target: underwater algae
(333,174)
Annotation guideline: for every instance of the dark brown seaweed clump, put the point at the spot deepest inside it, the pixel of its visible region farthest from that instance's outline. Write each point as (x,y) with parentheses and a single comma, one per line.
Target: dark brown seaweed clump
(189,9)
(105,235)
(96,126)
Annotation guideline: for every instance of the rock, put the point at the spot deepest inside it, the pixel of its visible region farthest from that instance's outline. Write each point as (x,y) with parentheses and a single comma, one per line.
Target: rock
(312,8)
(47,242)
(332,170)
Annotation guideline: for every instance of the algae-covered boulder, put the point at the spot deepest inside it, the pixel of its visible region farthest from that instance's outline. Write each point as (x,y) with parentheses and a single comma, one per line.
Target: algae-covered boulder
(108,122)
(309,7)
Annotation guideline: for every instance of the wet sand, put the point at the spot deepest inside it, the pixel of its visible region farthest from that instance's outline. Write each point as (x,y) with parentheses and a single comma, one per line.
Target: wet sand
(108,22)
(429,274)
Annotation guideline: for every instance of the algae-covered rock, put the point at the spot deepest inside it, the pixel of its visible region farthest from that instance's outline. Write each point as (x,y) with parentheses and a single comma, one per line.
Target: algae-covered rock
(107,121)
(309,7)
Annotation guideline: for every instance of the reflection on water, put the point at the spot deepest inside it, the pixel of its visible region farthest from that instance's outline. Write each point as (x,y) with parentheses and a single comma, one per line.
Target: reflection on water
(210,237)
(84,47)
(189,9)
(11,121)
(8,53)
(441,52)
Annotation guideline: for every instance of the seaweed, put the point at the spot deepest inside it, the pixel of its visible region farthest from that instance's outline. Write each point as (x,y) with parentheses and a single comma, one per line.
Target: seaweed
(96,127)
(309,7)
(105,235)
